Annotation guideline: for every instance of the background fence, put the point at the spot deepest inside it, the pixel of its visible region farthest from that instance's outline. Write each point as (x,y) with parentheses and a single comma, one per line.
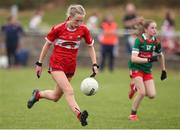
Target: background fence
(33,42)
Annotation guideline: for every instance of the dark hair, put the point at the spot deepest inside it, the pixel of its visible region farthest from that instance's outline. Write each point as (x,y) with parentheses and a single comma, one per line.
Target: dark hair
(170,19)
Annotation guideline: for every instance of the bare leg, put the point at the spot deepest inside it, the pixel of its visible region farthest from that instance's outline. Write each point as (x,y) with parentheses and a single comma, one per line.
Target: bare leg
(133,89)
(141,92)
(54,95)
(132,81)
(150,88)
(67,89)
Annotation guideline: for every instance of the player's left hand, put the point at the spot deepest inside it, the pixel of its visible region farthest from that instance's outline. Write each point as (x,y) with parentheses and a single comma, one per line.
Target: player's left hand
(163,75)
(153,59)
(95,68)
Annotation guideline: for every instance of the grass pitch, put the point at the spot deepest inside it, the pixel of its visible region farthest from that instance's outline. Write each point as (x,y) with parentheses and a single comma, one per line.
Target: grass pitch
(109,108)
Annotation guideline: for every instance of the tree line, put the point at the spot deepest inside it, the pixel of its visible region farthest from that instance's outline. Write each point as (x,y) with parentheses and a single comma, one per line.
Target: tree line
(28,4)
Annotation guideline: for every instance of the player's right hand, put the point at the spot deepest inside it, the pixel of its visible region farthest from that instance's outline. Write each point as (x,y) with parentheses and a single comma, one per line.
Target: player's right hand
(38,69)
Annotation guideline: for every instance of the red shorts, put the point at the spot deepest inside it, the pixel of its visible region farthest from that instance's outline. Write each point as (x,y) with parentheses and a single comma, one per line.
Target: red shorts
(136,73)
(65,61)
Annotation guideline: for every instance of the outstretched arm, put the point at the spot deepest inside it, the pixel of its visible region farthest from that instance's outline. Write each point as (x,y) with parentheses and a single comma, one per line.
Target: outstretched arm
(162,62)
(44,51)
(41,58)
(92,54)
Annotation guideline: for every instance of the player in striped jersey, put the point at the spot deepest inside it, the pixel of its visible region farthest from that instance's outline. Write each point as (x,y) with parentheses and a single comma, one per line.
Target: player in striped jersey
(147,49)
(65,38)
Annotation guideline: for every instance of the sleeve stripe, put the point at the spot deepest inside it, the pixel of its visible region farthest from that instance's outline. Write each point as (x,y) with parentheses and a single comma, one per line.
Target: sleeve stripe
(92,43)
(137,52)
(48,40)
(135,49)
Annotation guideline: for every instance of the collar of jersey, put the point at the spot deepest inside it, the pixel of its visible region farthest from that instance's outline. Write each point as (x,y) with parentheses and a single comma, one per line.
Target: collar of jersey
(71,30)
(148,40)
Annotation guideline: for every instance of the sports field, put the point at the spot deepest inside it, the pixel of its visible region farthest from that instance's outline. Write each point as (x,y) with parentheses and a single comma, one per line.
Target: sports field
(109,108)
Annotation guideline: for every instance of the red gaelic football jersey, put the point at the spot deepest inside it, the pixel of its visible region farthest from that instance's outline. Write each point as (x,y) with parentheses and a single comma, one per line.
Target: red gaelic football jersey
(62,36)
(66,43)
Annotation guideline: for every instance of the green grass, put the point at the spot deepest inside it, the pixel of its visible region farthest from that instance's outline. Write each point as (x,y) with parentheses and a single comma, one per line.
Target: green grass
(109,108)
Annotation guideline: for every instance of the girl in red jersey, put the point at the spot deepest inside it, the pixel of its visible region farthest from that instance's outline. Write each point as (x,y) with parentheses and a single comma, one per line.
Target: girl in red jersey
(66,40)
(147,49)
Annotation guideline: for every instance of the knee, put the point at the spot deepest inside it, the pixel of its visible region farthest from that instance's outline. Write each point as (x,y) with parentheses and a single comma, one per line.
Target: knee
(56,97)
(152,96)
(142,93)
(69,91)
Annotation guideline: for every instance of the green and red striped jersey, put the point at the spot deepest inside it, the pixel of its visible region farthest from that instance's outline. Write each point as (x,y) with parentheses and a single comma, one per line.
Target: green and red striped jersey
(145,48)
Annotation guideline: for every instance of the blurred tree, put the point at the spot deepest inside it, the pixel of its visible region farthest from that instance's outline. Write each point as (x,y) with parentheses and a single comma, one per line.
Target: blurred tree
(26,4)
(158,3)
(22,4)
(102,3)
